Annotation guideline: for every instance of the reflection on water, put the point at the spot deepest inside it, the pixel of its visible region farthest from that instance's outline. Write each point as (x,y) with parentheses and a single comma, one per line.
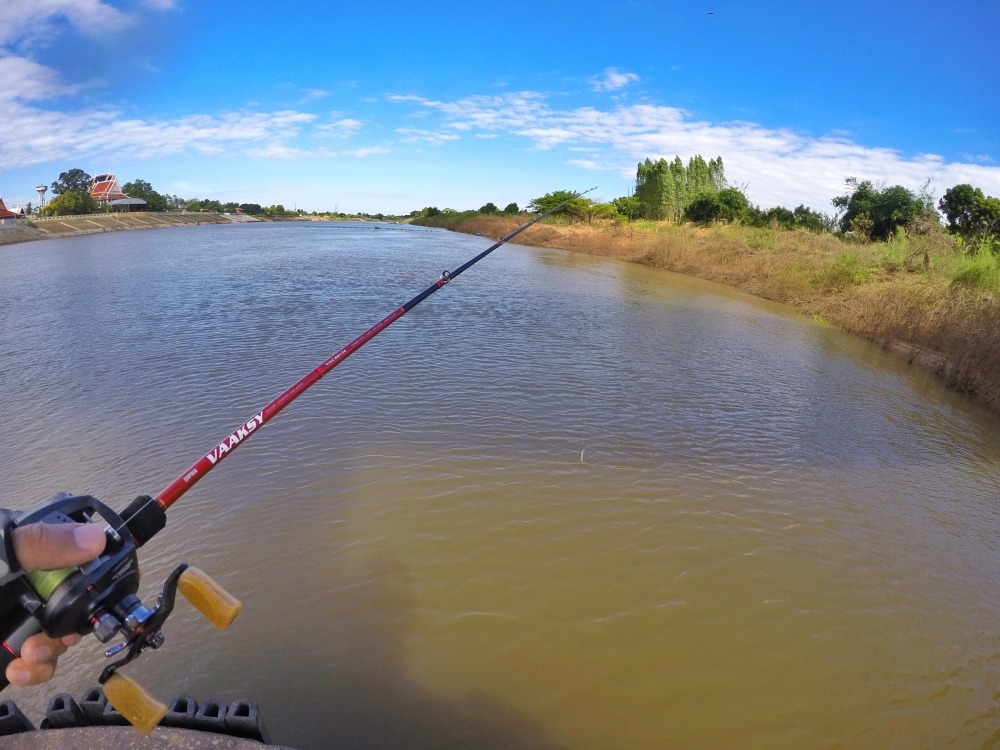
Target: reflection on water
(564,503)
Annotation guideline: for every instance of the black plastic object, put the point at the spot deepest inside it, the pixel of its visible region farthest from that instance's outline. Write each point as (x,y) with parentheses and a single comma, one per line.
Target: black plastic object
(211,716)
(180,712)
(92,704)
(12,721)
(63,712)
(243,719)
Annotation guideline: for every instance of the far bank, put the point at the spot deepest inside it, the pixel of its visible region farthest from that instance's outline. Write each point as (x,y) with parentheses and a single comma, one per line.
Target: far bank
(28,230)
(901,295)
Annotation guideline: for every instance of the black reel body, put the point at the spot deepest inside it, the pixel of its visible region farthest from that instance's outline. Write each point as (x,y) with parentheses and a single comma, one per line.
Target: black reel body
(74,600)
(99,596)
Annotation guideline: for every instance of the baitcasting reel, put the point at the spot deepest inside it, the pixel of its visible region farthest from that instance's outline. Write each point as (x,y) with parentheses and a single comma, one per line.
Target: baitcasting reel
(100,597)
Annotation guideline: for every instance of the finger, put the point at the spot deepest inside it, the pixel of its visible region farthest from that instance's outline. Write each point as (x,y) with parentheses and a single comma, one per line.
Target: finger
(19,672)
(37,663)
(47,546)
(41,649)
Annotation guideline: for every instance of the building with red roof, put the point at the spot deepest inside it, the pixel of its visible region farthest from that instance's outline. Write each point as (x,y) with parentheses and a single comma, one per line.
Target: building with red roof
(104,188)
(7,214)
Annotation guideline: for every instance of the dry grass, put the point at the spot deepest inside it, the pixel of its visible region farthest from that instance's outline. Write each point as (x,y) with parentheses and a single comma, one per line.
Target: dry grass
(898,294)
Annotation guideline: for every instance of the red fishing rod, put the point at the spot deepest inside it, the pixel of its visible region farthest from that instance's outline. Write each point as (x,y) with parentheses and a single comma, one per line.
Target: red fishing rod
(100,597)
(211,459)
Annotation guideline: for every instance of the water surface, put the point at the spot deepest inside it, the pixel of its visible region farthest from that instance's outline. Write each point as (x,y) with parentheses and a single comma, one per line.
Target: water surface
(565,502)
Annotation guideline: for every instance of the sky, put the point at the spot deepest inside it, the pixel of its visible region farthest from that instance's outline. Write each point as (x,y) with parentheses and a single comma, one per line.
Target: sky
(392,106)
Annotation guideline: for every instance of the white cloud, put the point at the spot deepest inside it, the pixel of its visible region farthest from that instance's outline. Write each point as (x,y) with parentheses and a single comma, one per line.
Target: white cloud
(612,79)
(26,80)
(311,95)
(415,135)
(34,135)
(341,129)
(32,23)
(362,153)
(778,166)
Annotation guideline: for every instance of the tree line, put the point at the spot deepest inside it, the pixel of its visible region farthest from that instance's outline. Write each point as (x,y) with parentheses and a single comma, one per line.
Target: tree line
(72,197)
(698,192)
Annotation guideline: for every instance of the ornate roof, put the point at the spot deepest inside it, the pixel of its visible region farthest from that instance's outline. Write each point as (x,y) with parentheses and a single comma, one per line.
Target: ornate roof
(105,188)
(5,213)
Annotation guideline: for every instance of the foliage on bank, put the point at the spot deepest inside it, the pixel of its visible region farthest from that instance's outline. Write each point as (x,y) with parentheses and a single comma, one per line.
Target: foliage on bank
(72,197)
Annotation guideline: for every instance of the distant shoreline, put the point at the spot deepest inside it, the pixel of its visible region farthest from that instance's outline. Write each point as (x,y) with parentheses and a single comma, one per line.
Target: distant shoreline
(29,230)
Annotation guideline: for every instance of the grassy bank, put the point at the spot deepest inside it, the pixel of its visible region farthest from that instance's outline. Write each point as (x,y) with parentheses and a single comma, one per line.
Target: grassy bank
(920,295)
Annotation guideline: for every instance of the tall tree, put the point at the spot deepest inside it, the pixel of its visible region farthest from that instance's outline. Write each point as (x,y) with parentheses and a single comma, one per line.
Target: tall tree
(650,188)
(874,211)
(970,213)
(72,181)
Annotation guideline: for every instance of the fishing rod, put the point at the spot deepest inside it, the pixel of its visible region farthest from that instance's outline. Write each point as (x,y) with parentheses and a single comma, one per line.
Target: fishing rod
(99,597)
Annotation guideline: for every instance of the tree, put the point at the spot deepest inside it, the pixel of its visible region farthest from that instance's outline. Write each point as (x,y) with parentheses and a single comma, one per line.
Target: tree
(728,204)
(511,209)
(143,190)
(806,218)
(489,208)
(251,208)
(878,211)
(575,205)
(72,181)
(653,189)
(70,203)
(733,205)
(628,206)
(704,209)
(970,213)
(666,189)
(599,211)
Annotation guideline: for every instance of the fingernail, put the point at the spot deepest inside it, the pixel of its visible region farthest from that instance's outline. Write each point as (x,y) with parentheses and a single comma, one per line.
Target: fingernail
(88,537)
(41,653)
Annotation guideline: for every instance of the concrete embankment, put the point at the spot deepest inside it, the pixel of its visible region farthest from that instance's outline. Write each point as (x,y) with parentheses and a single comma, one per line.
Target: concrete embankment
(26,230)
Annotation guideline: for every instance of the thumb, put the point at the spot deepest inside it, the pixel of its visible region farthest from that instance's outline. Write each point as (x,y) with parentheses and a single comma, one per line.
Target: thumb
(48,546)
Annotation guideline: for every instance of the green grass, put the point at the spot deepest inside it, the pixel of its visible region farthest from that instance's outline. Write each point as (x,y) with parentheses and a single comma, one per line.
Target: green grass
(980,271)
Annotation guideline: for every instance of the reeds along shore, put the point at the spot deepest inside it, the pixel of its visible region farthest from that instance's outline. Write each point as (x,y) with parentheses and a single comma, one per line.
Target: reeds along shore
(902,294)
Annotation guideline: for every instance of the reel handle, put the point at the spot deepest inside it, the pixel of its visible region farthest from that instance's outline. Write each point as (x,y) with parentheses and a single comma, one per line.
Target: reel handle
(217,605)
(139,708)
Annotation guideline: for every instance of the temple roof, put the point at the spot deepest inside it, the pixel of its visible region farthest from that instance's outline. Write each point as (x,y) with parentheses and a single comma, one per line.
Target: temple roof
(105,188)
(5,213)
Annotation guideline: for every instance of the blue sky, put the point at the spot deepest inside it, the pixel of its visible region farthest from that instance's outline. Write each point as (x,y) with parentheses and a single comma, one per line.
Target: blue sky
(393,106)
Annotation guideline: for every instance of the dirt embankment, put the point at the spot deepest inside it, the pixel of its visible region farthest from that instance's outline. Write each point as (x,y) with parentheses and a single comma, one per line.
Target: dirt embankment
(26,230)
(896,299)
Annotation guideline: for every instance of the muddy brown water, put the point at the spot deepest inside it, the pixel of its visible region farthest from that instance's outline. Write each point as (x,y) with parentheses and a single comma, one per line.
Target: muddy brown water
(565,502)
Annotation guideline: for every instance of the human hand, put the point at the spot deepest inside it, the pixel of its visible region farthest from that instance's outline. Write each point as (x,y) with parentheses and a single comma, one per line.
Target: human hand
(43,546)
